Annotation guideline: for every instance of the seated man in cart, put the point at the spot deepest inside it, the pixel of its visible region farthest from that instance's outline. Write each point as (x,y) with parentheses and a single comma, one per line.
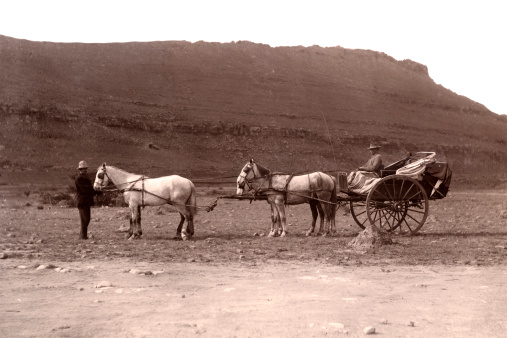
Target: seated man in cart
(373,166)
(361,180)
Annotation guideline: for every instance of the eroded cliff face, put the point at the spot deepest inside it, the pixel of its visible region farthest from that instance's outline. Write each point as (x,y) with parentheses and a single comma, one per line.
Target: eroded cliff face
(211,106)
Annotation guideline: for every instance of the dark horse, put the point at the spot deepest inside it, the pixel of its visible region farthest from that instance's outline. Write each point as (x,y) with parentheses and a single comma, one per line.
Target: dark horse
(317,188)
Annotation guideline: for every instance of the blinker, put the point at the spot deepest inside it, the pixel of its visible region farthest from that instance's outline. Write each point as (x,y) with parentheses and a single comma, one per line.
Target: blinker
(101,176)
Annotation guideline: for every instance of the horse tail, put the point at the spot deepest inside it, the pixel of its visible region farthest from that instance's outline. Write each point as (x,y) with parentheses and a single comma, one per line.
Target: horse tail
(191,202)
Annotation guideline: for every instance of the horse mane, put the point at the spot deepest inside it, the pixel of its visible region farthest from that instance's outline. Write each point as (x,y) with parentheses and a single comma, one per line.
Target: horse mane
(124,171)
(262,170)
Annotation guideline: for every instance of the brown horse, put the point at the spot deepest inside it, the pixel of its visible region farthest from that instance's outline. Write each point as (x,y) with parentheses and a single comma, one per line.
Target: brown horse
(317,188)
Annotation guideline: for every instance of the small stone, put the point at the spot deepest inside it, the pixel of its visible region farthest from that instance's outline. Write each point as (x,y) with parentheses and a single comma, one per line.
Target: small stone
(40,241)
(338,326)
(135,271)
(241,257)
(41,267)
(3,255)
(104,284)
(158,272)
(256,234)
(369,330)
(411,324)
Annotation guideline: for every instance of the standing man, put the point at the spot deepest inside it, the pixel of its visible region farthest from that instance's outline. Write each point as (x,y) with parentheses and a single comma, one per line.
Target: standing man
(374,164)
(85,193)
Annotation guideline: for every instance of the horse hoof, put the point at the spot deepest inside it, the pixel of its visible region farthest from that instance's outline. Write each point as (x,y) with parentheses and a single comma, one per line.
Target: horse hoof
(283,234)
(309,233)
(184,237)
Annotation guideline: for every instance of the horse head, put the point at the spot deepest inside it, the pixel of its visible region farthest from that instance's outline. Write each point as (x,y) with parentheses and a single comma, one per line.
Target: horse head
(101,179)
(250,172)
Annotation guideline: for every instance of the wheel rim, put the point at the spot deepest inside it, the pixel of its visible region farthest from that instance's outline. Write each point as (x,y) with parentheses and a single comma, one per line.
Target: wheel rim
(359,214)
(397,202)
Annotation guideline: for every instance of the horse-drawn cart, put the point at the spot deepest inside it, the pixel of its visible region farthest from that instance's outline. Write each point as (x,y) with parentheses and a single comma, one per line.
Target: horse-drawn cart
(399,198)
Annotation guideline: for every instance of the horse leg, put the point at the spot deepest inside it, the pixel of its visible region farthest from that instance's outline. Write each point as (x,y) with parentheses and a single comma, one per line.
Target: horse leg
(313,208)
(182,220)
(190,225)
(274,220)
(321,217)
(184,226)
(134,221)
(139,228)
(280,206)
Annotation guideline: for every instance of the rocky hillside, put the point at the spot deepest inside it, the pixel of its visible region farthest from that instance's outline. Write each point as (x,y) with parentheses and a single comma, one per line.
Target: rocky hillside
(203,109)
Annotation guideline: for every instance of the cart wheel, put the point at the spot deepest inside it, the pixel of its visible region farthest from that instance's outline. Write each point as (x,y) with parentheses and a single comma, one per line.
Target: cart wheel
(397,201)
(358,211)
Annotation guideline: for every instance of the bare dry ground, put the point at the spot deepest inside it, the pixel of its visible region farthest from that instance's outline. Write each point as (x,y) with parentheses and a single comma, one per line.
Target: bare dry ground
(449,280)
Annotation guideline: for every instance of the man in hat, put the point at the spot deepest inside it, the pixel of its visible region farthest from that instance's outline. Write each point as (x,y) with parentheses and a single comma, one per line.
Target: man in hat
(85,193)
(374,164)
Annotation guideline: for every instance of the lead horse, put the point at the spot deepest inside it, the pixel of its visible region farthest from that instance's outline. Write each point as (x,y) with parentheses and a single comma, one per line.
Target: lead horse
(139,191)
(316,188)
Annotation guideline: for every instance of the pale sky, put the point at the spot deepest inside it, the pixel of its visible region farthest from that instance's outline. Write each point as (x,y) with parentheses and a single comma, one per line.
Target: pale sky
(461,42)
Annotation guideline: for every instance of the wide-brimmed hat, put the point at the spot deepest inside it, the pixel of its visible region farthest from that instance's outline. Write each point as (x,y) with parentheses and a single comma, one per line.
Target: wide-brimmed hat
(82,165)
(374,146)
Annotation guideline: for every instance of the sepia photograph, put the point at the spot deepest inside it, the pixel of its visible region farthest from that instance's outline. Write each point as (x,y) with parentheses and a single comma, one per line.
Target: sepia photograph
(253,169)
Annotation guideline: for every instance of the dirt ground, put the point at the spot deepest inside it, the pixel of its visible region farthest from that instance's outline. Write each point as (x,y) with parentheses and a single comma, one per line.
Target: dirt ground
(230,280)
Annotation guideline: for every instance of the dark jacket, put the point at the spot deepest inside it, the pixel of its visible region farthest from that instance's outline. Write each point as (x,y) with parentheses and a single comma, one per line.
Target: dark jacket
(85,191)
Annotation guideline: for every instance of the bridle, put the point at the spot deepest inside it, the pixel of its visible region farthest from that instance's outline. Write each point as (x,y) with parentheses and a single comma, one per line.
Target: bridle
(249,167)
(103,174)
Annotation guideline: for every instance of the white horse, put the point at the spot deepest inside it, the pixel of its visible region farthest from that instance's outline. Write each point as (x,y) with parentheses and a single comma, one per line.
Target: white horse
(139,191)
(283,189)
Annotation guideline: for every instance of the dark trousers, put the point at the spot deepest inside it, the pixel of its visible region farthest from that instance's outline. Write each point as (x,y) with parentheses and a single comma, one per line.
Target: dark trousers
(84,214)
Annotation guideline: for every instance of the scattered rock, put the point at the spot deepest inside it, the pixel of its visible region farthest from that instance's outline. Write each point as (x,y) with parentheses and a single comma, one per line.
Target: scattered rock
(338,326)
(104,284)
(41,267)
(369,330)
(3,255)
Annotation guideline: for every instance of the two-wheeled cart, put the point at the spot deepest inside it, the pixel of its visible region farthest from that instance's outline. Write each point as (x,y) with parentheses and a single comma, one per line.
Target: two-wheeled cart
(399,198)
